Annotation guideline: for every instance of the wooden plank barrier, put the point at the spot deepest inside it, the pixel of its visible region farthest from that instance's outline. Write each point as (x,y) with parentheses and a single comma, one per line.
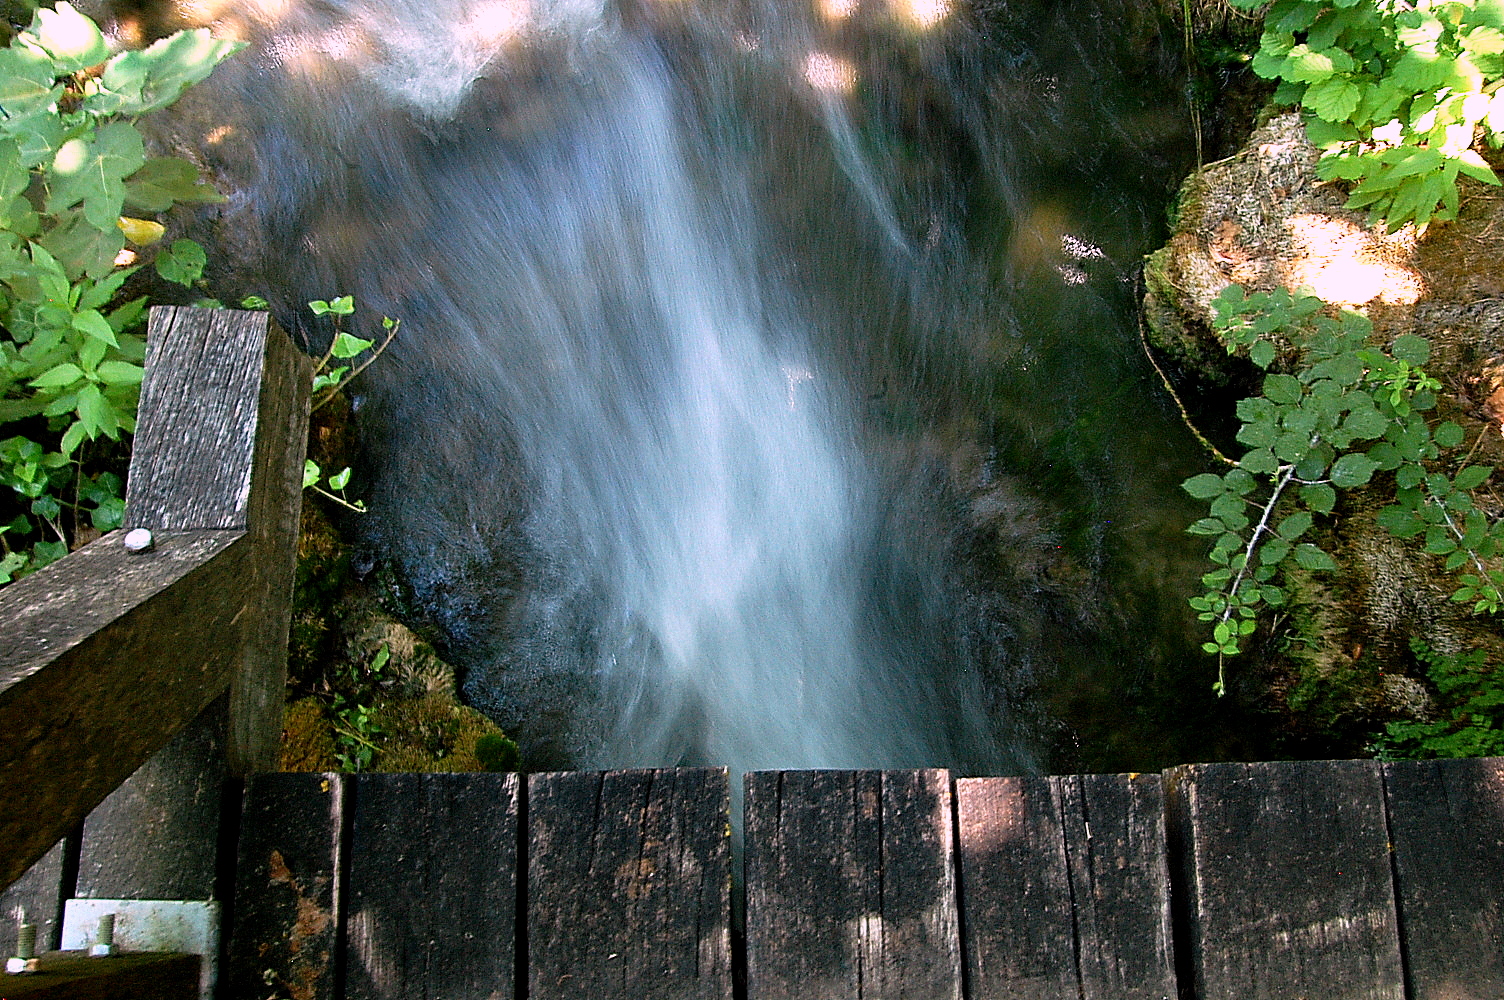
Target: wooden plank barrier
(108,656)
(1334,880)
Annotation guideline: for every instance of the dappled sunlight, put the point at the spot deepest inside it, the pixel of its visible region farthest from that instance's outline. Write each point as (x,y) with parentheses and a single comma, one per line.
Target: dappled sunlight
(829,73)
(991,812)
(922,13)
(1348,265)
(836,10)
(498,22)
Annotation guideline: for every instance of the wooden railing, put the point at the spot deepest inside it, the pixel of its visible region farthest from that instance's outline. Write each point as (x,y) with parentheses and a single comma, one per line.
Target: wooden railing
(108,656)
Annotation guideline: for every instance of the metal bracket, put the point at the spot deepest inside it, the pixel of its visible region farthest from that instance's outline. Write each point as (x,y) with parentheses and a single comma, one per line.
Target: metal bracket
(148,925)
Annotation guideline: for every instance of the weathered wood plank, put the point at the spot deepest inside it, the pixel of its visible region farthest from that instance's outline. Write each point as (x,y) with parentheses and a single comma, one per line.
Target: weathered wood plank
(629,885)
(223,424)
(84,698)
(1285,873)
(287,888)
(73,975)
(37,898)
(851,887)
(1120,885)
(1446,820)
(157,836)
(1016,889)
(432,887)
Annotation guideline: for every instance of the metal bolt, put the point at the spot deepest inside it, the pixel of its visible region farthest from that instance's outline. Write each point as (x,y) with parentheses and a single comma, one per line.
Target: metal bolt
(26,941)
(25,959)
(105,939)
(138,540)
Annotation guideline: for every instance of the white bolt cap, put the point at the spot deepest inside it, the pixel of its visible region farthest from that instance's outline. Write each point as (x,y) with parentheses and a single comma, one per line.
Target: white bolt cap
(138,540)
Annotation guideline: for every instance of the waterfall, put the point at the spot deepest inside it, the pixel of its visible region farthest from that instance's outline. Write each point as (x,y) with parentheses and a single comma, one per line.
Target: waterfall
(711,434)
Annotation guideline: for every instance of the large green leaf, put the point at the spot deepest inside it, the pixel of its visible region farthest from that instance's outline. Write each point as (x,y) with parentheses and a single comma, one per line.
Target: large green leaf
(167,180)
(94,173)
(154,77)
(68,37)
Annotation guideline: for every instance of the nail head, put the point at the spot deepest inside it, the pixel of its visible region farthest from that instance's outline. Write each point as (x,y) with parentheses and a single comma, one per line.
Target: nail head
(138,540)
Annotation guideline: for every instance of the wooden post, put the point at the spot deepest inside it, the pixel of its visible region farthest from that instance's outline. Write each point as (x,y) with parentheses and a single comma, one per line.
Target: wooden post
(109,654)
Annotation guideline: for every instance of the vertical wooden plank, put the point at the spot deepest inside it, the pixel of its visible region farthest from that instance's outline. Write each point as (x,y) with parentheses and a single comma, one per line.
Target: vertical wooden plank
(629,885)
(1120,884)
(286,908)
(851,887)
(1446,821)
(1015,889)
(432,899)
(1285,872)
(157,836)
(37,898)
(223,426)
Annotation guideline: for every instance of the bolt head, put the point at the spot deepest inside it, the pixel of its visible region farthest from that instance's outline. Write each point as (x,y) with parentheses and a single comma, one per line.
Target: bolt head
(138,540)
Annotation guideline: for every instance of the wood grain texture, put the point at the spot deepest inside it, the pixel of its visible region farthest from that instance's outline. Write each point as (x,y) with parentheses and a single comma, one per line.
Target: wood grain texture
(113,654)
(1446,821)
(288,876)
(1016,889)
(223,428)
(1286,876)
(37,898)
(157,836)
(629,885)
(1114,828)
(73,975)
(432,899)
(851,888)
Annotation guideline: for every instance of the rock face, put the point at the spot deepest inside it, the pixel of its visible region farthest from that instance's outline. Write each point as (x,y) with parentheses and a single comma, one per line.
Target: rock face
(1337,662)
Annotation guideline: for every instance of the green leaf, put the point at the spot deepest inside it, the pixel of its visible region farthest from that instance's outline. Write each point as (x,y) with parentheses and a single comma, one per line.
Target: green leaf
(94,173)
(1295,525)
(71,39)
(346,346)
(1412,348)
(1333,99)
(1353,469)
(1319,497)
(1472,477)
(28,85)
(1204,486)
(311,473)
(121,373)
(58,376)
(91,323)
(1312,558)
(183,262)
(340,479)
(1448,435)
(164,181)
(1283,388)
(1262,353)
(83,248)
(154,77)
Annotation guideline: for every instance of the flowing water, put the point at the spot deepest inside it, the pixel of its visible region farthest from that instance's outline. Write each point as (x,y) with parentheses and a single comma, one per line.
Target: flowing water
(768,391)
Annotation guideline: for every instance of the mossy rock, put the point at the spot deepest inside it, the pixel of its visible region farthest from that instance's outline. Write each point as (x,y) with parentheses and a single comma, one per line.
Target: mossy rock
(437,733)
(307,738)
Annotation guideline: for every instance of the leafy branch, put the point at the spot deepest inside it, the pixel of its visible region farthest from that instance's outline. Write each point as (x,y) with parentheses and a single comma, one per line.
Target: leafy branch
(1349,412)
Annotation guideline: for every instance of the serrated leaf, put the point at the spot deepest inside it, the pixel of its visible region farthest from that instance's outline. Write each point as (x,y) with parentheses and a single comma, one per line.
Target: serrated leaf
(1472,477)
(1310,557)
(1333,99)
(1319,497)
(1204,486)
(1412,348)
(1283,388)
(1448,434)
(1439,540)
(1259,461)
(1295,525)
(1353,469)
(1274,551)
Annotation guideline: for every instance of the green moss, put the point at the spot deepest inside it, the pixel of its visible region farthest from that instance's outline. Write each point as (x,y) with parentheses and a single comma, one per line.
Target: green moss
(307,738)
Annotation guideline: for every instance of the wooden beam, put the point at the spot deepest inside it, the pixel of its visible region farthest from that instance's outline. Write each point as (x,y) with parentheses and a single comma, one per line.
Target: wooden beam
(109,654)
(74,975)
(432,886)
(288,909)
(629,885)
(1446,820)
(114,653)
(1285,876)
(851,887)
